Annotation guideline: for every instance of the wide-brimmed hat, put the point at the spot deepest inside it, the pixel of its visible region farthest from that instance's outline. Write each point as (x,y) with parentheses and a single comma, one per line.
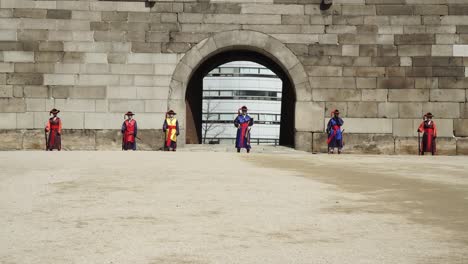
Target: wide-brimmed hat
(129,113)
(335,112)
(54,111)
(244,108)
(428,115)
(171,112)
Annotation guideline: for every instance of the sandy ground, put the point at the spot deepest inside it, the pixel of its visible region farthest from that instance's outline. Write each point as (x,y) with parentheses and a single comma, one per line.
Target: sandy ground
(202,207)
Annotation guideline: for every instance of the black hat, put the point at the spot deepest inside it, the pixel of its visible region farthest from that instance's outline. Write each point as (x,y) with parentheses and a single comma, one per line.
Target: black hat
(54,111)
(129,113)
(335,112)
(428,114)
(171,112)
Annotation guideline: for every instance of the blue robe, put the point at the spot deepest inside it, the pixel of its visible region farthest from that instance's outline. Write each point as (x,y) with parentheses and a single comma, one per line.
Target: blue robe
(335,136)
(243,134)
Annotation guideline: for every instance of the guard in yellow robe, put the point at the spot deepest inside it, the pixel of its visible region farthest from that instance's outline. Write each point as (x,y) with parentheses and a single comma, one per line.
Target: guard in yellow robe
(171,128)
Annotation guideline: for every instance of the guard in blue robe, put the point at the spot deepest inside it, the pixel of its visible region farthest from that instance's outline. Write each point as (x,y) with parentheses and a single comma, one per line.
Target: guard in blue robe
(243,123)
(335,134)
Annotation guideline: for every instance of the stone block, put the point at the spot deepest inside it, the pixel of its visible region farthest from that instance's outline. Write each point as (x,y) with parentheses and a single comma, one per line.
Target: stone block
(252,19)
(156,106)
(410,110)
(87,92)
(460,50)
(11,139)
(461,127)
(131,69)
(272,9)
(12,105)
(25,78)
(24,120)
(123,92)
(7,120)
(324,70)
(6,91)
(35,105)
(325,50)
(51,46)
(33,91)
(110,36)
(60,79)
(364,71)
(446,146)
(442,50)
(75,105)
(368,125)
(97,80)
(448,71)
(148,58)
(405,20)
(453,83)
(332,82)
(358,10)
(140,47)
(7,35)
(152,92)
(414,39)
(442,110)
(18,56)
(427,9)
(388,110)
(414,50)
(362,109)
(366,83)
(403,128)
(309,116)
(462,146)
(408,95)
(336,95)
(374,95)
(109,139)
(40,119)
(58,14)
(154,120)
(395,83)
(78,139)
(406,146)
(29,13)
(123,106)
(72,120)
(103,120)
(303,141)
(387,10)
(331,106)
(319,143)
(448,95)
(350,50)
(458,9)
(295,19)
(33,139)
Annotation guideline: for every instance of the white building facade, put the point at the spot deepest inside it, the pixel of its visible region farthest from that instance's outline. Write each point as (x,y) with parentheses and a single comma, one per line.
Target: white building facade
(233,85)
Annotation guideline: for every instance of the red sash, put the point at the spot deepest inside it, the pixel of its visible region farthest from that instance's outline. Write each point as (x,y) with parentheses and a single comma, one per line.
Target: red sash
(244,127)
(169,135)
(335,130)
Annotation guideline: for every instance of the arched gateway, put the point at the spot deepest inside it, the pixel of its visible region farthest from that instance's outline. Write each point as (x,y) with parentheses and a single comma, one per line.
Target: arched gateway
(185,91)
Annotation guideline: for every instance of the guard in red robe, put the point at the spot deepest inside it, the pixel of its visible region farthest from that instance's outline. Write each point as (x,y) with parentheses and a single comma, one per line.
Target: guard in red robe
(129,132)
(54,128)
(171,129)
(429,130)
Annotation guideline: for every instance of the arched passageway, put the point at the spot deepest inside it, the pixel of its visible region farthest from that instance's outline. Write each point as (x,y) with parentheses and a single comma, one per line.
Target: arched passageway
(186,89)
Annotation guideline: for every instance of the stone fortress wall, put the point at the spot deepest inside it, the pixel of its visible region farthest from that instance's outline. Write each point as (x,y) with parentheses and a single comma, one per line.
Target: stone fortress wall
(383,63)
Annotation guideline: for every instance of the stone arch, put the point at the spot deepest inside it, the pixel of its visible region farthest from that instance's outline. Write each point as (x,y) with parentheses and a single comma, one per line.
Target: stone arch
(237,40)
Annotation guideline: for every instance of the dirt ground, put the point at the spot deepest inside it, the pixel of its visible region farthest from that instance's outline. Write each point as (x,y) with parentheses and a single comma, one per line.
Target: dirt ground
(207,207)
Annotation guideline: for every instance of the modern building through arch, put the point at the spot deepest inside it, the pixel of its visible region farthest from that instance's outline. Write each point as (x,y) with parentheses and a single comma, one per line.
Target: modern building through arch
(238,83)
(281,116)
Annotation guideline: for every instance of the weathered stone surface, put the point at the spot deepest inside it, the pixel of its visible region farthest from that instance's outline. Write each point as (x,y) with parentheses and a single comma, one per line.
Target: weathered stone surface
(446,146)
(309,116)
(461,127)
(11,139)
(74,139)
(362,109)
(462,146)
(303,141)
(358,143)
(408,95)
(388,110)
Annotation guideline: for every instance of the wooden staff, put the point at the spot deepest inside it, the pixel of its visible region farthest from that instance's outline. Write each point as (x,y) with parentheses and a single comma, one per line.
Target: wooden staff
(419,143)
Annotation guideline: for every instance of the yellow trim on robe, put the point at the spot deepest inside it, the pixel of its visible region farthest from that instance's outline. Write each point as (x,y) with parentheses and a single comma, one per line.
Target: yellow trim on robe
(172,122)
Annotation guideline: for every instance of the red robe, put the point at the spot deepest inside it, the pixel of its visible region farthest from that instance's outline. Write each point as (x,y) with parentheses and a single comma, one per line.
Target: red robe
(129,131)
(429,130)
(54,127)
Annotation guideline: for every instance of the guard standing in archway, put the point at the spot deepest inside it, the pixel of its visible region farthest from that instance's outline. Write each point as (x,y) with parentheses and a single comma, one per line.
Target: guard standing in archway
(129,132)
(335,135)
(429,130)
(243,122)
(54,127)
(171,128)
